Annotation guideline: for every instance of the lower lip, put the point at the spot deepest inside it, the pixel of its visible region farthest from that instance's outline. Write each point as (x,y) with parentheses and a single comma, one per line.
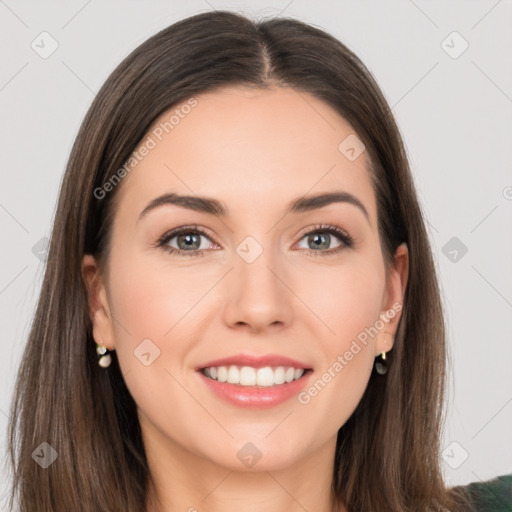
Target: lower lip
(254,396)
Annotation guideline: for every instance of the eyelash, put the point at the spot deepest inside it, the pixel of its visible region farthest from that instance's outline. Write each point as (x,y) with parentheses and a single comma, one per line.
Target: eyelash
(346,240)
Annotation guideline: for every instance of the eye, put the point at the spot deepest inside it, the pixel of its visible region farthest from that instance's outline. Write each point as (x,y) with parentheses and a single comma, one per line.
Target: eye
(187,239)
(321,237)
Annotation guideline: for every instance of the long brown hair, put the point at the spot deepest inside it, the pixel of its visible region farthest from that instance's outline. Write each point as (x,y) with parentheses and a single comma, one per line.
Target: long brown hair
(388,452)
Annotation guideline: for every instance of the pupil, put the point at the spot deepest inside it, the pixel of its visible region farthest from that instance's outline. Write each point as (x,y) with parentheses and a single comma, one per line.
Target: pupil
(188,240)
(316,237)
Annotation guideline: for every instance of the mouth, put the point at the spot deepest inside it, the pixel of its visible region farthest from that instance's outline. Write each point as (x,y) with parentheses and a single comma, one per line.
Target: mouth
(255,382)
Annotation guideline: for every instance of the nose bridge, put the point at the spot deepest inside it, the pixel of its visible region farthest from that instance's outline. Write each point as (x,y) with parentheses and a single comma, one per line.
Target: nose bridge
(256,293)
(253,269)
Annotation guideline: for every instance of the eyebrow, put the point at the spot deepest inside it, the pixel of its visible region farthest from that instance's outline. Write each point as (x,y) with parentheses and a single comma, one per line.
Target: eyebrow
(215,207)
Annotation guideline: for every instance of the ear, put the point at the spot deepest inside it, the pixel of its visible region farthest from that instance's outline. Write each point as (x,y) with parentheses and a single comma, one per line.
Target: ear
(393,299)
(99,308)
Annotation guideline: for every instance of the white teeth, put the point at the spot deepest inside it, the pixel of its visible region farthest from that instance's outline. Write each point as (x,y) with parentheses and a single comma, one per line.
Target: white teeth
(279,375)
(265,376)
(249,376)
(222,374)
(233,375)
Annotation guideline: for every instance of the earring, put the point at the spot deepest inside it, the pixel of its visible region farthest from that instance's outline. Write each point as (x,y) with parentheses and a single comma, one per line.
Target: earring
(105,358)
(380,366)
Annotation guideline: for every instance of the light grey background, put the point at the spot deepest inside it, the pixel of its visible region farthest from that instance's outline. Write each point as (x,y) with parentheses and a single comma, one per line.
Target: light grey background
(455,115)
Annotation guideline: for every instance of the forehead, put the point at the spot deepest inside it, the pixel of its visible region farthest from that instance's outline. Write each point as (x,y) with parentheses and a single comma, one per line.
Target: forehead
(249,148)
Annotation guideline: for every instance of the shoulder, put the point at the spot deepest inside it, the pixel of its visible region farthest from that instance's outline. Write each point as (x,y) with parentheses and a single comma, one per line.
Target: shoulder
(492,495)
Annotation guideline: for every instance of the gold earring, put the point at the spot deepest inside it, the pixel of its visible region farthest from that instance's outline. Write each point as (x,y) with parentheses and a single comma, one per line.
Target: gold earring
(105,358)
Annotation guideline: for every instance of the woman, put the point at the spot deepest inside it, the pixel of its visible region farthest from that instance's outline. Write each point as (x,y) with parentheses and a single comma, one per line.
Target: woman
(294,359)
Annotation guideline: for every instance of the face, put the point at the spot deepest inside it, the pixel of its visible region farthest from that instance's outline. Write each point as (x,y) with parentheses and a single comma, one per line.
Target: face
(267,283)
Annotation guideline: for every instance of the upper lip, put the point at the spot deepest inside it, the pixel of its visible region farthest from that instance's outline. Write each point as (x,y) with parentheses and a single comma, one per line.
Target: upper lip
(254,361)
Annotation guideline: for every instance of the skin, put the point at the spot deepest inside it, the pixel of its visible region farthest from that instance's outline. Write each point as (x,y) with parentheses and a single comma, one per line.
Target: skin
(254,150)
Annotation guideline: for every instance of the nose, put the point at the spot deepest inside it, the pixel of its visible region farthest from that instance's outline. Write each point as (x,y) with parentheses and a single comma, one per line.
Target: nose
(258,296)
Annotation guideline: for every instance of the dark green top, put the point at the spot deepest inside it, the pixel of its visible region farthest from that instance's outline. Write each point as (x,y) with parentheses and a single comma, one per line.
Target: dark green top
(493,495)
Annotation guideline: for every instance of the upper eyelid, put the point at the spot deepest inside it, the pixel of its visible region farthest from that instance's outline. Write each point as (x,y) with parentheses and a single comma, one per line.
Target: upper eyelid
(172,233)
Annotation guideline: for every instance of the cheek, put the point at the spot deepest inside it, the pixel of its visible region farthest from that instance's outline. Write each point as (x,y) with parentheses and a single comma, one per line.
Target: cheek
(348,299)
(155,322)
(152,309)
(153,301)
